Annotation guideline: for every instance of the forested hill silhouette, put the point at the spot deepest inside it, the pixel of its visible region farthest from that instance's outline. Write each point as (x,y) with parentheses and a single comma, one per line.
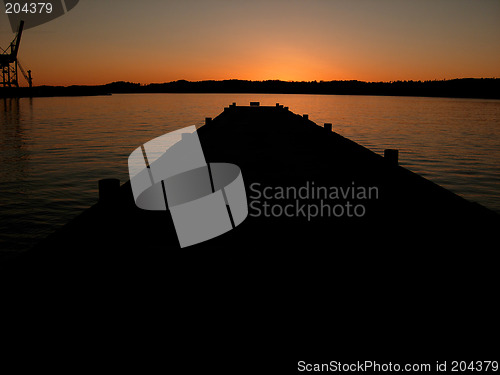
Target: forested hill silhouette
(458,88)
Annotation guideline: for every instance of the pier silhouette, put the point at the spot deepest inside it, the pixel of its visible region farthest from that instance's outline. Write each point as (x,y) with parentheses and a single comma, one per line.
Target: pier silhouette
(417,249)
(277,148)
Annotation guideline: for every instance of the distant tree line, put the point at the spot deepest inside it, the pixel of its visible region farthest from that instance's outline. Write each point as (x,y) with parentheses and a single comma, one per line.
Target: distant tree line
(462,88)
(457,88)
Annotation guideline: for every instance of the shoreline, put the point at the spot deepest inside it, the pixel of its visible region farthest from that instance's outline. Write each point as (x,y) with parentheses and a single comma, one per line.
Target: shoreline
(466,88)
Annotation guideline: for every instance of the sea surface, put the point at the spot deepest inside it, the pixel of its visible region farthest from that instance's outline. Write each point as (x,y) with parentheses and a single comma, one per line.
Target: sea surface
(53,151)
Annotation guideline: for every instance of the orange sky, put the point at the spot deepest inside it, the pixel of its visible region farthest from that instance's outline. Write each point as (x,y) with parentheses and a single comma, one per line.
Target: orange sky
(160,41)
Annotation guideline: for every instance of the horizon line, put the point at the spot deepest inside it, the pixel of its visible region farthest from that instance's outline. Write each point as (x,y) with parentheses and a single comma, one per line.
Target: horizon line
(276,80)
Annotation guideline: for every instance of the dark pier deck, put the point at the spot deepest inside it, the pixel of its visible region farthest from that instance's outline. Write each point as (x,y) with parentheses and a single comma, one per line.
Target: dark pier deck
(405,215)
(420,257)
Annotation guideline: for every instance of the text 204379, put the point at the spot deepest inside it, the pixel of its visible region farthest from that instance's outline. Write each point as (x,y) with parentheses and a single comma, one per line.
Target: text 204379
(28,8)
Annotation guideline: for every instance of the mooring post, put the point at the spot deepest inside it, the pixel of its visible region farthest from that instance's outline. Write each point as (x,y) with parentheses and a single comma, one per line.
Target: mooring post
(392,156)
(208,120)
(306,117)
(109,190)
(328,126)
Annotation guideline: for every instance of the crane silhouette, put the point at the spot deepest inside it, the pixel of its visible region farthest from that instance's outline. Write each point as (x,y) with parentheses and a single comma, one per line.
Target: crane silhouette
(9,62)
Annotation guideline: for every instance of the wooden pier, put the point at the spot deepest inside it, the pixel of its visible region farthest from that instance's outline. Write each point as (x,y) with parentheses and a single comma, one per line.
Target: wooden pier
(410,220)
(419,258)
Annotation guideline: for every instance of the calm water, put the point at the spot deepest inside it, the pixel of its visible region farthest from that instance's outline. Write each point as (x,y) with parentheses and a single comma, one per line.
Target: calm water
(54,150)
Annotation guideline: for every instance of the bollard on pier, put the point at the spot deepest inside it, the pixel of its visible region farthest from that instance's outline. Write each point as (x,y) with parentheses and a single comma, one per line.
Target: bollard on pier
(109,190)
(392,156)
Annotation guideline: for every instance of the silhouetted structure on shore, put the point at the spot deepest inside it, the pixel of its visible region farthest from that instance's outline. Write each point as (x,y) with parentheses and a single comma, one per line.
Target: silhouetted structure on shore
(459,88)
(9,63)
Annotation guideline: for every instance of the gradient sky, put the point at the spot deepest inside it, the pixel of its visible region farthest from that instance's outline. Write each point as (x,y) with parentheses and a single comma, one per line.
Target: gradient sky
(146,41)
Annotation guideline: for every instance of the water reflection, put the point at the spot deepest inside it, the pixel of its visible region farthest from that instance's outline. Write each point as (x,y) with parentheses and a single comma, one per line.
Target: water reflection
(16,224)
(15,154)
(54,150)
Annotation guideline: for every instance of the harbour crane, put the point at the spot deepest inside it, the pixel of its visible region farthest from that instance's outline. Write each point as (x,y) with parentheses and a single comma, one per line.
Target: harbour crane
(9,62)
(26,74)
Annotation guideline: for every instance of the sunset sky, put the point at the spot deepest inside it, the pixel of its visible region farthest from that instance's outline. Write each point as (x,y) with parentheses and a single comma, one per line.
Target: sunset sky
(146,41)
